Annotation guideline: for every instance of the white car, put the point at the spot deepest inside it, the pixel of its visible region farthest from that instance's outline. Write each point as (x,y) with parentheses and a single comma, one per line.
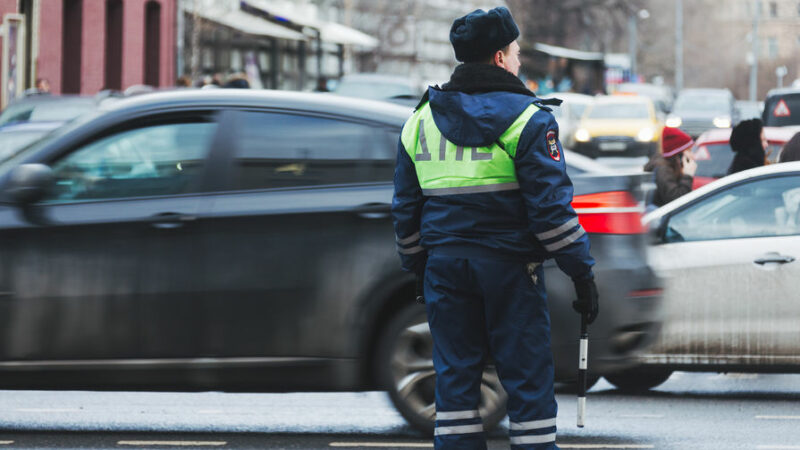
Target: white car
(728,254)
(568,115)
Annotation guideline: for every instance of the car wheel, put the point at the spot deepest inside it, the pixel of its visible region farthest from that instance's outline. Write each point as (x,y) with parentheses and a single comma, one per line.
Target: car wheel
(638,380)
(405,368)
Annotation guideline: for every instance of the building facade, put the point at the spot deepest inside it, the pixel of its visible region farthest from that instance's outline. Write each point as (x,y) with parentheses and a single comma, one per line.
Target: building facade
(85,46)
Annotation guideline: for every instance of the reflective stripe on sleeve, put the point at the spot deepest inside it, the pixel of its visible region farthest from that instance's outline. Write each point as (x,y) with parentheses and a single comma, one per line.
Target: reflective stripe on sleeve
(460,429)
(566,241)
(471,189)
(557,230)
(532,439)
(413,238)
(533,424)
(411,251)
(456,415)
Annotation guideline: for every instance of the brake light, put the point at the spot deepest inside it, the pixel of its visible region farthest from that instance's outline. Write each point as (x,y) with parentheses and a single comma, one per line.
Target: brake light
(614,212)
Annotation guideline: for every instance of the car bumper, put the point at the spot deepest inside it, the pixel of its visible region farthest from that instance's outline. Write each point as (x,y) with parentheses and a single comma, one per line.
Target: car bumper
(615,146)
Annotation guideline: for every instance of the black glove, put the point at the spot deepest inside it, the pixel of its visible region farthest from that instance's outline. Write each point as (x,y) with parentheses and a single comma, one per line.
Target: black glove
(420,289)
(587,299)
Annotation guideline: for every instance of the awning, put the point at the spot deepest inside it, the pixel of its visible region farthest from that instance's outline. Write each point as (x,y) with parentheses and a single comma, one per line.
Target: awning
(303,16)
(340,34)
(250,24)
(568,53)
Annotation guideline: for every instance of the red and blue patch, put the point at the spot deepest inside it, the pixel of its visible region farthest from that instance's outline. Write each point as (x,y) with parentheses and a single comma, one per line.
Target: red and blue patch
(552,145)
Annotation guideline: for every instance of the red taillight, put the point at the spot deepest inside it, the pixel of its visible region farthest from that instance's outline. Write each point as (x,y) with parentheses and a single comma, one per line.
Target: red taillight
(614,212)
(642,293)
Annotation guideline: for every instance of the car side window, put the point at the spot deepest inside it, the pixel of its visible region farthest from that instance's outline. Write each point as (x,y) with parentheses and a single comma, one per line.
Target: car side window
(760,208)
(279,150)
(163,159)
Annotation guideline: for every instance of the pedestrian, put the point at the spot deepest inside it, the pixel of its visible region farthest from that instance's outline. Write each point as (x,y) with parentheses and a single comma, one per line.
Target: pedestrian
(183,81)
(43,85)
(481,199)
(791,151)
(673,168)
(749,143)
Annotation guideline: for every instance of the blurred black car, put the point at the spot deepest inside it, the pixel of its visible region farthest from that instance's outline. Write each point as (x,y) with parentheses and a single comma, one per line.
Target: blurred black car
(782,107)
(376,86)
(698,110)
(241,241)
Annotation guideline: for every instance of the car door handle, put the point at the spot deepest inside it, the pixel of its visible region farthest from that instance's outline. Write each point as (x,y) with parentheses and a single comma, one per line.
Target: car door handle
(373,211)
(170,220)
(773,257)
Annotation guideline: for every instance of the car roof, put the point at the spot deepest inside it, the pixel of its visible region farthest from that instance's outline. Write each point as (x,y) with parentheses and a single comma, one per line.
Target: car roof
(787,167)
(29,126)
(378,77)
(704,91)
(719,135)
(259,98)
(783,91)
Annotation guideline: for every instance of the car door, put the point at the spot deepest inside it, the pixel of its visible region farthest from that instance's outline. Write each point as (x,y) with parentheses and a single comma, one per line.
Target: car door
(302,228)
(105,267)
(731,270)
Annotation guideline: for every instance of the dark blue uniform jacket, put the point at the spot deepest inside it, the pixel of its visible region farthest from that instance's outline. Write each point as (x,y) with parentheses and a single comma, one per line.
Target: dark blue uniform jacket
(533,223)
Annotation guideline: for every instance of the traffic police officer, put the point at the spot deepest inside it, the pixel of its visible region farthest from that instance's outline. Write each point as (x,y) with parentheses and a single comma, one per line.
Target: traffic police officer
(481,199)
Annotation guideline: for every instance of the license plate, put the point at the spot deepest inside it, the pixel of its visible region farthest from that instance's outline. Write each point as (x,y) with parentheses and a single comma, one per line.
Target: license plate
(613,146)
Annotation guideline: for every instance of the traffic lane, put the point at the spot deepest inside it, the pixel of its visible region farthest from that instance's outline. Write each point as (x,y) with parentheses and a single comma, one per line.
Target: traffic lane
(688,411)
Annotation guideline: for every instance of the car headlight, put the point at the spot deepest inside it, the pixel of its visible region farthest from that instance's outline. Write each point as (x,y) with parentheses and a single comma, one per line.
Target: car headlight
(722,122)
(645,135)
(582,135)
(673,122)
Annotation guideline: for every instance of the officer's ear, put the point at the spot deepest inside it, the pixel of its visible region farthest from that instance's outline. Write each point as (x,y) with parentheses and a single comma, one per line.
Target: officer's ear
(499,57)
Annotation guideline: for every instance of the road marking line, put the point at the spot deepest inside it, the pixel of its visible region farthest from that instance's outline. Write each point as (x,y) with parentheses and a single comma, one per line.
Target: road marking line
(776,447)
(210,411)
(642,416)
(48,410)
(176,443)
(382,444)
(6,442)
(605,446)
(778,417)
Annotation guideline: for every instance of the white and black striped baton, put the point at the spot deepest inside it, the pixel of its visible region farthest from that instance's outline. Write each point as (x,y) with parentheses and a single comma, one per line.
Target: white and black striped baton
(583,357)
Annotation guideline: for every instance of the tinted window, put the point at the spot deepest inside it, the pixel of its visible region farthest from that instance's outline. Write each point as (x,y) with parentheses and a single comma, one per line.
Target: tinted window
(285,150)
(777,114)
(760,208)
(619,111)
(713,160)
(157,160)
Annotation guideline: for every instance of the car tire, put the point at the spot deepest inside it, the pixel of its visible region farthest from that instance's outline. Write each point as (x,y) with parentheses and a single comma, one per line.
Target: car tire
(638,380)
(405,369)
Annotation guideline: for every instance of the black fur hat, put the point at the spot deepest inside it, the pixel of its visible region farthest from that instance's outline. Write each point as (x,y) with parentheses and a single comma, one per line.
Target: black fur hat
(479,34)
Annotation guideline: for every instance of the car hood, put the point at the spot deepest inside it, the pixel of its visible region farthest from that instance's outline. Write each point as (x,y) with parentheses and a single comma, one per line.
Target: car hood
(615,127)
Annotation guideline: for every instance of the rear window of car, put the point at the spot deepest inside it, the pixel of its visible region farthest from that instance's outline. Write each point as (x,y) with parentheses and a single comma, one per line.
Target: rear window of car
(713,160)
(782,110)
(619,111)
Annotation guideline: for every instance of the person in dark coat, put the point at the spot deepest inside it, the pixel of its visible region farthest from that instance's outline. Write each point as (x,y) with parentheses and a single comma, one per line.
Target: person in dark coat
(748,142)
(674,168)
(791,151)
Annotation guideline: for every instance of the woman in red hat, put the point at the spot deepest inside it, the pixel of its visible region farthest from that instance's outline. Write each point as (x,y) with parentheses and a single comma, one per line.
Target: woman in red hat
(674,168)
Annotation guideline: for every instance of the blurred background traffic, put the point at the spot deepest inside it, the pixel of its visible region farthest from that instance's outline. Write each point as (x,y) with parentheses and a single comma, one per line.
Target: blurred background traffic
(202,188)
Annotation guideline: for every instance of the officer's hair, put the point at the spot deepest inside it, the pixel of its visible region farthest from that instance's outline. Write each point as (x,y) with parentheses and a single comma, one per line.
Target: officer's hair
(490,59)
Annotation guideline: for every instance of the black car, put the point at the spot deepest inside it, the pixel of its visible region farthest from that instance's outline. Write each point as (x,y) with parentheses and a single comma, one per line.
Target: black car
(241,241)
(782,107)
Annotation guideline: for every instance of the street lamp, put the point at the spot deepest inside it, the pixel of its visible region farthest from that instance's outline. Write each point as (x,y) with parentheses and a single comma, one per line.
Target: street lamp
(633,37)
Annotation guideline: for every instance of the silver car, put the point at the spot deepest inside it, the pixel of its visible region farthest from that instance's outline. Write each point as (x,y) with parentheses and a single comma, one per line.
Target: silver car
(728,255)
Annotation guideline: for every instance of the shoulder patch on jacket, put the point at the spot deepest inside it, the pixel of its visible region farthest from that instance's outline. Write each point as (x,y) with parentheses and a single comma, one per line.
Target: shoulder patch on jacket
(552,145)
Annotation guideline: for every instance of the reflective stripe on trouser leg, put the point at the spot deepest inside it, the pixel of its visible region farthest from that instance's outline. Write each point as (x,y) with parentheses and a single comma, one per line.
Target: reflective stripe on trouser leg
(455,316)
(519,339)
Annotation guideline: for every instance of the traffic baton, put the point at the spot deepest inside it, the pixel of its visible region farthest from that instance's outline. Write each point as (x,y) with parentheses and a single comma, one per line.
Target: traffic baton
(582,367)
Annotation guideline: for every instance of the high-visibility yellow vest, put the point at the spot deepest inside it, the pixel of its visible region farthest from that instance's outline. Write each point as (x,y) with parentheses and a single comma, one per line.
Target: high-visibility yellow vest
(444,168)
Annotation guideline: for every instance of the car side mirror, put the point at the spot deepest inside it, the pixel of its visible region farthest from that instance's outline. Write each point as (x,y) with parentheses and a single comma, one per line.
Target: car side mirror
(28,183)
(657,229)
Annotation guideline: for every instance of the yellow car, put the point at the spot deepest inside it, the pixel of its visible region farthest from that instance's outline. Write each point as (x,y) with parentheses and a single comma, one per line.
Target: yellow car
(619,126)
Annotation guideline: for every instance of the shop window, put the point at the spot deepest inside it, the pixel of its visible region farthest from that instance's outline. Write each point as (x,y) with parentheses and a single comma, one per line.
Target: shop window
(152,45)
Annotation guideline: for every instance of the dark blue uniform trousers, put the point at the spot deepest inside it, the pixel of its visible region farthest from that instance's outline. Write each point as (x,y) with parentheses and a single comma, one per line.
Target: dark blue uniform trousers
(489,306)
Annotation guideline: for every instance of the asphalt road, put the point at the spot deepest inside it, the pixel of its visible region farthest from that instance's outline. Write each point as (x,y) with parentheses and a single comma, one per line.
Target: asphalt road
(689,411)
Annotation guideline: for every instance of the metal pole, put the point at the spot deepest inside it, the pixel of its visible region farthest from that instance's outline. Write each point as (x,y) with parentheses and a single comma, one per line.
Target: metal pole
(754,66)
(678,45)
(632,38)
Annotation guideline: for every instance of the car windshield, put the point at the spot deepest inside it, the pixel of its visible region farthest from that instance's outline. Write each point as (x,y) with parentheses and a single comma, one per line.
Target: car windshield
(702,102)
(12,141)
(619,111)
